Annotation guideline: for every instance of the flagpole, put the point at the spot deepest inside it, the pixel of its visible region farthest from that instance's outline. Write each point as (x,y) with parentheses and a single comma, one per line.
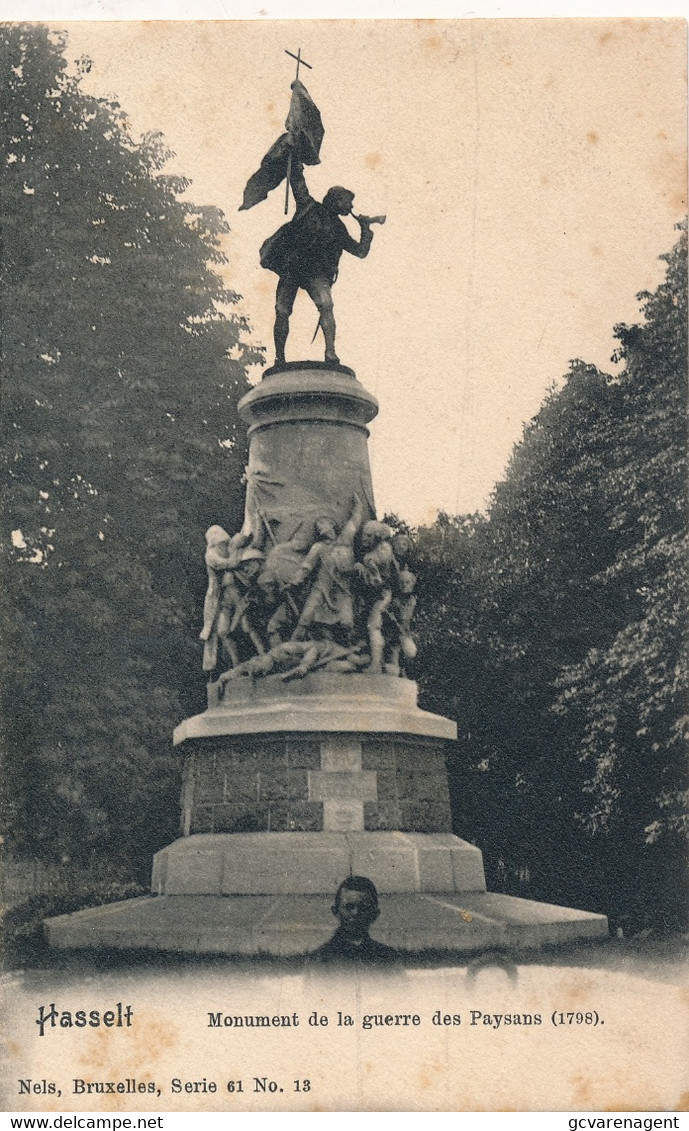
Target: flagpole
(289,174)
(300,62)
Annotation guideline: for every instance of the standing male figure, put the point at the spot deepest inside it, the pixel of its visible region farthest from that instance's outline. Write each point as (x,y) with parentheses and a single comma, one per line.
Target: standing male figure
(306,253)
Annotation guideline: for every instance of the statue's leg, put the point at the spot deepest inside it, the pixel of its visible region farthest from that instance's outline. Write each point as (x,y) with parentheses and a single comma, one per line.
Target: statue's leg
(310,606)
(223,630)
(320,291)
(284,302)
(375,631)
(278,624)
(255,639)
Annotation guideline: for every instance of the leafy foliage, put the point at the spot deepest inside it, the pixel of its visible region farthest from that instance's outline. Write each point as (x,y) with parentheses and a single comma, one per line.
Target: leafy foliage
(553,631)
(123,361)
(633,690)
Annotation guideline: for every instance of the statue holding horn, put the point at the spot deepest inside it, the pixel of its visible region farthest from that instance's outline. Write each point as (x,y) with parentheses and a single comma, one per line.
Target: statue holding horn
(305,252)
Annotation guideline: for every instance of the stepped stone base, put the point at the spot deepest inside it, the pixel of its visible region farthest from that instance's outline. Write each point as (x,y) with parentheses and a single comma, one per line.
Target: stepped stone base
(315,863)
(319,703)
(296,924)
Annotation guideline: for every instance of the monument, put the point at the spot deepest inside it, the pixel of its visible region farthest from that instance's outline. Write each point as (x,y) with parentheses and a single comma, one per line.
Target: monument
(313,761)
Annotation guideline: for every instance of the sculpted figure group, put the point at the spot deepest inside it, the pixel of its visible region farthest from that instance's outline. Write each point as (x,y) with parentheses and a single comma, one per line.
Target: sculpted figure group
(332,599)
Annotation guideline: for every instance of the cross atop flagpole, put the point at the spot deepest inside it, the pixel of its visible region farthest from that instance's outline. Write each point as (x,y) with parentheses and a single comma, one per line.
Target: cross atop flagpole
(300,63)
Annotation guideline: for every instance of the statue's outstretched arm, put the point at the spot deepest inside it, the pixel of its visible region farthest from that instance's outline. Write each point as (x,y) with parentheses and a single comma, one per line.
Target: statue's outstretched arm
(302,196)
(354,522)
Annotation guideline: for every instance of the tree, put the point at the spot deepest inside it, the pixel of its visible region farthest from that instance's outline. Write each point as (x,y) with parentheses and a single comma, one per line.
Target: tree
(554,634)
(631,693)
(123,360)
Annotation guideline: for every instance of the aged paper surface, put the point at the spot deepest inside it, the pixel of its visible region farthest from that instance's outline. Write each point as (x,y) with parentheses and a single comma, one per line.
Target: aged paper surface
(531,172)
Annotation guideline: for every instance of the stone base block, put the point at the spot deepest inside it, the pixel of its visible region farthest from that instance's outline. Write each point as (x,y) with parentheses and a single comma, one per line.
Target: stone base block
(311,863)
(296,924)
(311,782)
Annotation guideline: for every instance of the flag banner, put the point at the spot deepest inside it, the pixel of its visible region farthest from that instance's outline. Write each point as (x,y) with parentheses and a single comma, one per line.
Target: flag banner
(304,125)
(272,170)
(304,137)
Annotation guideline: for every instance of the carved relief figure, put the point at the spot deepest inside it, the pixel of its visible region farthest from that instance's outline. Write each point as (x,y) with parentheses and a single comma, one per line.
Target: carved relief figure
(222,553)
(329,605)
(308,604)
(237,616)
(402,606)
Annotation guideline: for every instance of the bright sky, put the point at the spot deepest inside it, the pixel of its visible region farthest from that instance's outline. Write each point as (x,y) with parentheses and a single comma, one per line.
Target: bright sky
(531,171)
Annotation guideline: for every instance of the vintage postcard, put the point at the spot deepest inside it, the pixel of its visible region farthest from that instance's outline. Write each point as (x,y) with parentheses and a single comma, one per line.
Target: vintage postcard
(344,411)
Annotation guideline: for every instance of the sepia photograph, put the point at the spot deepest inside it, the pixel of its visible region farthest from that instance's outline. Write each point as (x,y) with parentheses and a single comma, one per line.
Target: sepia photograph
(345,668)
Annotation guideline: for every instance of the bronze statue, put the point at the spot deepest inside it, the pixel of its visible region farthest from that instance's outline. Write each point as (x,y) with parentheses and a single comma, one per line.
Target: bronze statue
(306,253)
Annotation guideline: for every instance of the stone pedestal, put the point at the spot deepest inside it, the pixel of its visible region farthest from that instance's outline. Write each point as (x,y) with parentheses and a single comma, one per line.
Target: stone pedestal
(308,453)
(291,785)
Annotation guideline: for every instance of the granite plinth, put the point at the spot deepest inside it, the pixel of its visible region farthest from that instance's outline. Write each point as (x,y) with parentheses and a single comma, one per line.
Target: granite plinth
(312,782)
(315,863)
(321,701)
(296,924)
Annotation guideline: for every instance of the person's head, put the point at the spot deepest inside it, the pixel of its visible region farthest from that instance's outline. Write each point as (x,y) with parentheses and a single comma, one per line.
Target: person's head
(407,581)
(356,906)
(401,546)
(217,536)
(251,562)
(325,528)
(339,200)
(373,532)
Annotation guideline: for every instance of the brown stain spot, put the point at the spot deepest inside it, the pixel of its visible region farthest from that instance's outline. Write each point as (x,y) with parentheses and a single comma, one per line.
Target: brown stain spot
(429,1073)
(582,1094)
(670,169)
(433,42)
(550,81)
(579,991)
(606,38)
(132,1056)
(592,137)
(545,180)
(683,1102)
(597,250)
(662,135)
(373,160)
